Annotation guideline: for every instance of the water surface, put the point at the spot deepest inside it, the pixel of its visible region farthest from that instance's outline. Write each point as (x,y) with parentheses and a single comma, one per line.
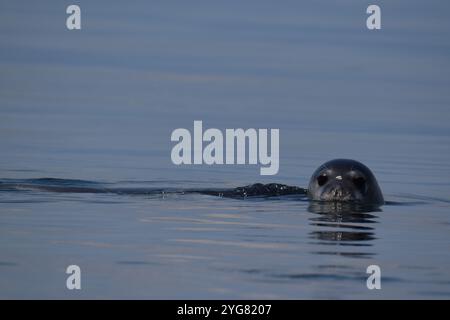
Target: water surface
(99,105)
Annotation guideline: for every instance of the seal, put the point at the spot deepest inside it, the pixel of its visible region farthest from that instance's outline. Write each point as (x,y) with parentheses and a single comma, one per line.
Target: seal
(344,180)
(336,184)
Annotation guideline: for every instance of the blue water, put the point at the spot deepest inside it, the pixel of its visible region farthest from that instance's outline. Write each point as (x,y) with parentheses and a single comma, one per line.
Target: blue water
(99,105)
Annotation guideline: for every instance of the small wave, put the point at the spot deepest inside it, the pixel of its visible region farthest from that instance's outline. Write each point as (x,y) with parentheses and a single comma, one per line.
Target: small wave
(153,188)
(84,186)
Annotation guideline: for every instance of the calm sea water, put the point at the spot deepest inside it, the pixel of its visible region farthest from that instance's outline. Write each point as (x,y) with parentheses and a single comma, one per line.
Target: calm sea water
(100,104)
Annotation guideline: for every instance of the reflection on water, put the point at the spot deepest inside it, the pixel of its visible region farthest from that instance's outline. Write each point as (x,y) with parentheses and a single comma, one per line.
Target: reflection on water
(343,225)
(282,247)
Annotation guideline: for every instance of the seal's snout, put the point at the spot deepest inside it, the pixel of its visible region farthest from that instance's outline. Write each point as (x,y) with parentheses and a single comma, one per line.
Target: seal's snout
(337,192)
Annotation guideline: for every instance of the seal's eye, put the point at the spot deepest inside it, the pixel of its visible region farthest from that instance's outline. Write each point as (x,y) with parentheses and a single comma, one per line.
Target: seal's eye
(321,180)
(359,182)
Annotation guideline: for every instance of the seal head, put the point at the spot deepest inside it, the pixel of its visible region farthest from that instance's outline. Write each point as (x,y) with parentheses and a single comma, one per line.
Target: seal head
(345,180)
